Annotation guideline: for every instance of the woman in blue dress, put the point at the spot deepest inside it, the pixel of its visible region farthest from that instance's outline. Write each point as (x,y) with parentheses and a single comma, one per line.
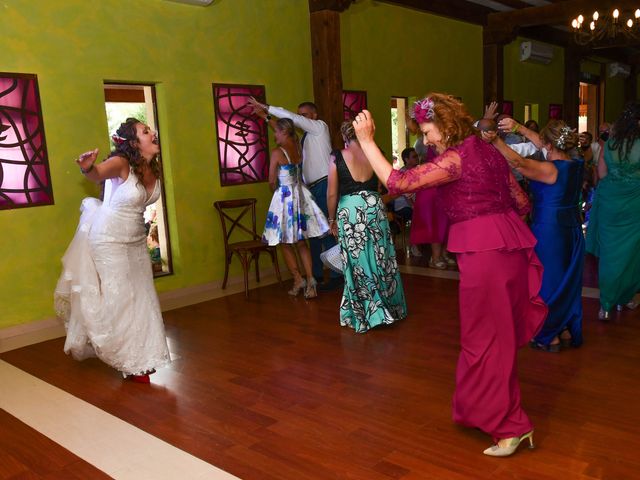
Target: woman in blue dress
(293,214)
(556,186)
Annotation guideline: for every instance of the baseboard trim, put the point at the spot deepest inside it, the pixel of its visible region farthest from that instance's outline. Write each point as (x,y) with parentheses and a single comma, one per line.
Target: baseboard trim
(18,336)
(183,297)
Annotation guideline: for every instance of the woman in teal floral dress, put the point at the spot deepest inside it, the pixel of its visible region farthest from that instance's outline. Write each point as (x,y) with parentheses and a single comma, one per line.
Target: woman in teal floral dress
(373,293)
(293,215)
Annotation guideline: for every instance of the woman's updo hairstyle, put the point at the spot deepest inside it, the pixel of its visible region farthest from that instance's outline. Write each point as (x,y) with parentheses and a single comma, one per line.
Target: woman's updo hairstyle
(560,135)
(348,132)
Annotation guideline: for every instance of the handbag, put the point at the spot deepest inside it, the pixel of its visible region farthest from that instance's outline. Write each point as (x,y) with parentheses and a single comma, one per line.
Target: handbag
(332,258)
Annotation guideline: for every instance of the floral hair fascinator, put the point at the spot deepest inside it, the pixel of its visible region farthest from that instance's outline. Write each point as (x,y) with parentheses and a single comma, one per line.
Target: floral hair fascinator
(423,110)
(117,139)
(561,141)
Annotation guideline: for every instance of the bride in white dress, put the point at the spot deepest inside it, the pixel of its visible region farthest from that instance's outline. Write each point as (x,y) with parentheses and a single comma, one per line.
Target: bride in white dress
(105,294)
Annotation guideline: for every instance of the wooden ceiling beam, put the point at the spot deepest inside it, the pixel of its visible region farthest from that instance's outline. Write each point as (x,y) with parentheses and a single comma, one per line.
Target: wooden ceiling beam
(556,13)
(515,3)
(456,9)
(546,34)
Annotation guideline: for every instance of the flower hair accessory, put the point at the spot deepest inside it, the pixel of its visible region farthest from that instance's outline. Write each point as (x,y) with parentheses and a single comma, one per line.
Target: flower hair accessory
(423,110)
(117,139)
(561,141)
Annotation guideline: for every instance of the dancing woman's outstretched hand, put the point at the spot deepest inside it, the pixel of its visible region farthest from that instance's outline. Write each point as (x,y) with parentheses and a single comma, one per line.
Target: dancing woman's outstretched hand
(86,160)
(364,126)
(258,108)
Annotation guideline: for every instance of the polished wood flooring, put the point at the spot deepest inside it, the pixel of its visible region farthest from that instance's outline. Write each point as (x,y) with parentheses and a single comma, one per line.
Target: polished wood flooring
(27,454)
(274,389)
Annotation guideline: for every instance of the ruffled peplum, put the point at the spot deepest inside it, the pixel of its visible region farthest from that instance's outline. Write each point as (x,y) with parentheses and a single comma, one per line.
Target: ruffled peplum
(498,231)
(503,233)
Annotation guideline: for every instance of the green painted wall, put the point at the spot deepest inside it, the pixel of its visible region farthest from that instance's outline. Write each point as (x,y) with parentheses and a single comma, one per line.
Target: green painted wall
(534,83)
(613,98)
(526,82)
(73,46)
(614,87)
(390,51)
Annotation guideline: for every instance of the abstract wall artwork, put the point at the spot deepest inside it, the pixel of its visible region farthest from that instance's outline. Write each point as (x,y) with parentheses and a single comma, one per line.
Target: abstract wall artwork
(25,180)
(243,146)
(353,102)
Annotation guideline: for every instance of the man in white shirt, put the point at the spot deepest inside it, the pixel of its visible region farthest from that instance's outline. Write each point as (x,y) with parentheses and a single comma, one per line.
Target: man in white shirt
(316,150)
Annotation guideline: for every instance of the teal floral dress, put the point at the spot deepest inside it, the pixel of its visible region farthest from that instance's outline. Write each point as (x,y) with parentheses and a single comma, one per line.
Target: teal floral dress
(293,213)
(373,294)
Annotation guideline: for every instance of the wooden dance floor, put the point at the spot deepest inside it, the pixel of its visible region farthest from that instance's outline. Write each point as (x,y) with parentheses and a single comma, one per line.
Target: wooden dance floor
(274,389)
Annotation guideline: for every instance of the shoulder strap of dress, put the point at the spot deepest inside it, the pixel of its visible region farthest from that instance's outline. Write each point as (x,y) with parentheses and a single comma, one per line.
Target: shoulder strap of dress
(286,154)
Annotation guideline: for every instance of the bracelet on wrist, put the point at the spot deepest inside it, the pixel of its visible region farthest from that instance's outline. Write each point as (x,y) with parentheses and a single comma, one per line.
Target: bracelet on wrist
(515,128)
(84,172)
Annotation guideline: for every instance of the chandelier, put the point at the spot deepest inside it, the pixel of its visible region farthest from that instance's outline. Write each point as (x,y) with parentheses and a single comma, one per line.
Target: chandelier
(606,29)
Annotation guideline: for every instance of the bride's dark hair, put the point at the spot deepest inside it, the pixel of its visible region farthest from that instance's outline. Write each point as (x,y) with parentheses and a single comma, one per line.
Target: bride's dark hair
(126,146)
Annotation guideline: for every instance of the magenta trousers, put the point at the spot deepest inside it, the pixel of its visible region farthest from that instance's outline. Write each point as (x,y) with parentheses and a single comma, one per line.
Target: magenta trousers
(500,311)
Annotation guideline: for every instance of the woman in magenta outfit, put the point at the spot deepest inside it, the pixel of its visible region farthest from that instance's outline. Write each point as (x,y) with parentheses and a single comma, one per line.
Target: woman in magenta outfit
(429,224)
(500,275)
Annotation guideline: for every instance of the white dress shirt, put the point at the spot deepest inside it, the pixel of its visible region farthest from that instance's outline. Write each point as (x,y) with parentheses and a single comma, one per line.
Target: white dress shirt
(526,149)
(316,149)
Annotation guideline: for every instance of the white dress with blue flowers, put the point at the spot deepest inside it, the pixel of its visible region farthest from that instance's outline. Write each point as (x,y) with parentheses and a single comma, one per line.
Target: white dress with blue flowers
(293,214)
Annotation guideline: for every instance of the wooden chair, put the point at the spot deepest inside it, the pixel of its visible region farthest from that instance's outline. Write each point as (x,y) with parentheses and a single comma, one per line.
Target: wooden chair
(231,213)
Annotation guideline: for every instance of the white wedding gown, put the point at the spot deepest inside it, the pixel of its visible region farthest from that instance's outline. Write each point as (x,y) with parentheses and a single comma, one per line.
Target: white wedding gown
(105,294)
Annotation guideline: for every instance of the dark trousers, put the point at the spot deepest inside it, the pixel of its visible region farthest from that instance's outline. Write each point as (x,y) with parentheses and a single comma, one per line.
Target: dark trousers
(319,245)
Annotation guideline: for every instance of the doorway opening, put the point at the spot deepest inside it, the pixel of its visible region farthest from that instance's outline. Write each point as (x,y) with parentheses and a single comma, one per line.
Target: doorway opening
(399,131)
(139,101)
(588,116)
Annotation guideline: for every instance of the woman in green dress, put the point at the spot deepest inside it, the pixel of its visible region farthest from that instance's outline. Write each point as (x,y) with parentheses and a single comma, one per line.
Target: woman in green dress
(614,229)
(373,293)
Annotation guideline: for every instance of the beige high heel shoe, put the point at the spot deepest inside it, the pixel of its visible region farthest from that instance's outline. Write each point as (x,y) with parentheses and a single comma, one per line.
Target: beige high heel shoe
(512,446)
(297,288)
(311,290)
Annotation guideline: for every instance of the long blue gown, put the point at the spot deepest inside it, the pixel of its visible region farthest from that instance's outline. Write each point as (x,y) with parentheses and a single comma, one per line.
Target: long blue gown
(557,226)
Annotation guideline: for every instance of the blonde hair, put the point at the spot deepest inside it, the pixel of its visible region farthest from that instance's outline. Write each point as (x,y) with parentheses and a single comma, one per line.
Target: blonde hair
(560,135)
(348,132)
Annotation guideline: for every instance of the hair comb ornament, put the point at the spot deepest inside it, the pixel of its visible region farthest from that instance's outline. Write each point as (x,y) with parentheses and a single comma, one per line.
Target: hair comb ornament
(561,141)
(423,110)
(117,139)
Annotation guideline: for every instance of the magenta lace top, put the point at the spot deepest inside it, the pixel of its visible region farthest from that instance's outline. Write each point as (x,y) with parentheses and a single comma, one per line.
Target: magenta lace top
(473,179)
(478,193)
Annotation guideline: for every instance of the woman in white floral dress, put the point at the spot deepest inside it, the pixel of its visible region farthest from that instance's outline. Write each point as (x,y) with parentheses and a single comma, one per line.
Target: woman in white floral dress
(373,293)
(293,214)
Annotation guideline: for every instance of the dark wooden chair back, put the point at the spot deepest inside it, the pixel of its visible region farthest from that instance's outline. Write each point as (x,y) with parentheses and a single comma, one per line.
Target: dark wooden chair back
(238,219)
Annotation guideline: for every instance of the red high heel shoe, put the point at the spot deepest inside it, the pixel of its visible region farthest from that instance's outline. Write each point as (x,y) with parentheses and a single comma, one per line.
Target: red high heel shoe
(144,378)
(139,378)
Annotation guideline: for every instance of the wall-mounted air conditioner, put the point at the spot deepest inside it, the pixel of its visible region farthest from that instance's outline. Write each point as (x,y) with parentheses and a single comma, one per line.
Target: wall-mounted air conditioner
(617,69)
(536,52)
(202,3)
